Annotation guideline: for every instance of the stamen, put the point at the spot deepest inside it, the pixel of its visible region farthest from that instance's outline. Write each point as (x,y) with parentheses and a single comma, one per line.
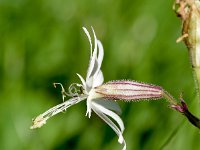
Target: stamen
(64,94)
(73,92)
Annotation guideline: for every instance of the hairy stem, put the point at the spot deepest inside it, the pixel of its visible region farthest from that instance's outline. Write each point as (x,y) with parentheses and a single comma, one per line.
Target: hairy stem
(169,98)
(182,108)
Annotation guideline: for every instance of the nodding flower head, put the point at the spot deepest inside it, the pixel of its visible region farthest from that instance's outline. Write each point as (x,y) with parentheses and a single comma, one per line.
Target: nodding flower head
(100,97)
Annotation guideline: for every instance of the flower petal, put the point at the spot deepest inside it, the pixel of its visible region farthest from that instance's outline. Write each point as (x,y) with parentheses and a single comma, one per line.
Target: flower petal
(89,107)
(102,112)
(82,80)
(92,67)
(98,75)
(111,105)
(98,79)
(89,38)
(100,54)
(94,76)
(95,43)
(110,114)
(92,60)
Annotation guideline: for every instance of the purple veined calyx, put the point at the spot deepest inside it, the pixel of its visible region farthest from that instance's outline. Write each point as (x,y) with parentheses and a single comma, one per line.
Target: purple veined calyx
(129,90)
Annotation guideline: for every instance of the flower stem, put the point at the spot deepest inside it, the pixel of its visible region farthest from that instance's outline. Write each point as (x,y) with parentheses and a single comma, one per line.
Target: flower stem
(169,98)
(189,12)
(193,119)
(182,108)
(196,72)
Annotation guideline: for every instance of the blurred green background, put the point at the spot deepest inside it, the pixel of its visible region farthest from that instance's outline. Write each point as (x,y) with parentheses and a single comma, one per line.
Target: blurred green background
(42,42)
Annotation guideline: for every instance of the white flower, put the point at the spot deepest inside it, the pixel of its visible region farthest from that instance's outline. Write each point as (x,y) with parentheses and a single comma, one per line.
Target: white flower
(105,109)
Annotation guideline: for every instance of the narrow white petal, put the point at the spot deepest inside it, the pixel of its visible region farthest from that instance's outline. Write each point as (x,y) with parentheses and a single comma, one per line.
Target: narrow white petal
(82,80)
(100,53)
(122,141)
(94,56)
(110,114)
(90,68)
(98,79)
(110,123)
(97,73)
(89,83)
(89,38)
(95,44)
(109,104)
(92,64)
(89,80)
(94,76)
(89,107)
(106,119)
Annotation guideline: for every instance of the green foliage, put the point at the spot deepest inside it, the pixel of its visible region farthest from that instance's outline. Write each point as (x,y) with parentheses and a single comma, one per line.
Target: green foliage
(42,42)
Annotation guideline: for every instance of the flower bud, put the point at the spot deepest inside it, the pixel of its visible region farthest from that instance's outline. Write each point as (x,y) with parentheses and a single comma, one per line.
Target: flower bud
(129,90)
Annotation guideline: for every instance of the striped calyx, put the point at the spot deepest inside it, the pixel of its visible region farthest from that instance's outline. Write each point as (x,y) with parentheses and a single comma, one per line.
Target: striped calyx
(129,90)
